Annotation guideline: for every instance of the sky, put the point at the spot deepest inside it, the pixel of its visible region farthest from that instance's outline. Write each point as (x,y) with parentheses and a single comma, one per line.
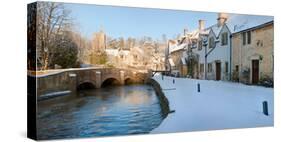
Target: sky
(136,22)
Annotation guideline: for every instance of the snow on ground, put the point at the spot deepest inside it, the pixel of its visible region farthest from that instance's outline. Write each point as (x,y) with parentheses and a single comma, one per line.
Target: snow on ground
(219,105)
(54,94)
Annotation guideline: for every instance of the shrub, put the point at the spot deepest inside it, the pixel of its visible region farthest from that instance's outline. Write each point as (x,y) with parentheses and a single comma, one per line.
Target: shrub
(266,81)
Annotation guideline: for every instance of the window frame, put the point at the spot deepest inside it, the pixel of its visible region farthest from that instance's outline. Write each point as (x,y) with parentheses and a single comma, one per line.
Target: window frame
(210,67)
(249,37)
(201,68)
(244,38)
(224,39)
(237,68)
(226,66)
(211,42)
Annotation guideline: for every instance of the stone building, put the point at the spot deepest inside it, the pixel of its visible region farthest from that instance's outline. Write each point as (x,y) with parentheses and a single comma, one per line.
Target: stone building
(99,41)
(252,48)
(135,58)
(176,63)
(196,51)
(218,50)
(237,47)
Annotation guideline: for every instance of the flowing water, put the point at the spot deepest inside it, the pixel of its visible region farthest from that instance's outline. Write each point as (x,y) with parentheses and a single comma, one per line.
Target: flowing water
(109,111)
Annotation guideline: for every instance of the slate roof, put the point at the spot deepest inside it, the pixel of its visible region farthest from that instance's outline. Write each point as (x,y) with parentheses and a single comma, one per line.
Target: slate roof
(237,23)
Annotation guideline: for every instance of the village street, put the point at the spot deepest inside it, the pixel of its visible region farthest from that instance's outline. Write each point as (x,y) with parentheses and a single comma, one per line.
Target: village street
(218,105)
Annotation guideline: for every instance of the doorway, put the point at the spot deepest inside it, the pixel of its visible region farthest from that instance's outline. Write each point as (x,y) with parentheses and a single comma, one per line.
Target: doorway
(218,71)
(255,71)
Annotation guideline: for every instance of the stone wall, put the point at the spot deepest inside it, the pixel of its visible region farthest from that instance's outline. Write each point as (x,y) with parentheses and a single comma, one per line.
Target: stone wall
(261,48)
(164,103)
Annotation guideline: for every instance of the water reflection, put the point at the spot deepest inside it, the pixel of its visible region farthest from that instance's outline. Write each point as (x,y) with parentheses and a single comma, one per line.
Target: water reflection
(107,111)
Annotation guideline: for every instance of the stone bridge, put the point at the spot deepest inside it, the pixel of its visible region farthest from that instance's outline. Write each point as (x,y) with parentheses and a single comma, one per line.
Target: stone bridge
(76,79)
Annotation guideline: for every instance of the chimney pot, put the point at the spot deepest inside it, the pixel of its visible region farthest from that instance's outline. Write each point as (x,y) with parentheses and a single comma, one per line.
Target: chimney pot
(201,25)
(222,17)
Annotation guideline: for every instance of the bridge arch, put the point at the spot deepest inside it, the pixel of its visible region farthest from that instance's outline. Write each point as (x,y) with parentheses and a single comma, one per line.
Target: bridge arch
(128,80)
(86,85)
(110,81)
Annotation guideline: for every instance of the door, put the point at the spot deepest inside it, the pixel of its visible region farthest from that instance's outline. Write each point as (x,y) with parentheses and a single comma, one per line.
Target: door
(255,71)
(218,71)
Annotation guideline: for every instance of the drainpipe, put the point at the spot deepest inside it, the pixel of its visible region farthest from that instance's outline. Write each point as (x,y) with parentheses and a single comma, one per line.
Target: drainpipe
(230,59)
(205,63)
(206,55)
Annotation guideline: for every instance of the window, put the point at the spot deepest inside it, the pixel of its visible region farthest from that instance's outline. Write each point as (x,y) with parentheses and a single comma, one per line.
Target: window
(244,38)
(211,42)
(226,67)
(237,68)
(249,37)
(200,45)
(209,67)
(224,38)
(201,68)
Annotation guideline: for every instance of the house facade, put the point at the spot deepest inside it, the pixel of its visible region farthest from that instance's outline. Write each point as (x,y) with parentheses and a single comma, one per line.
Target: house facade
(253,54)
(218,53)
(212,50)
(236,48)
(175,61)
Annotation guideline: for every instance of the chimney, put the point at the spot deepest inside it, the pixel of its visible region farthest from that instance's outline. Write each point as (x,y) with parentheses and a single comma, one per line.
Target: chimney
(201,25)
(185,32)
(222,17)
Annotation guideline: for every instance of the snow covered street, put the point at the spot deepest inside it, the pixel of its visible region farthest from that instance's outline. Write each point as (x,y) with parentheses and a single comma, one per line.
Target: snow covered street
(218,105)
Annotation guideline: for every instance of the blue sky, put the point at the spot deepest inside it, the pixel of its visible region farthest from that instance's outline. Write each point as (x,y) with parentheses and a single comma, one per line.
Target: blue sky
(136,22)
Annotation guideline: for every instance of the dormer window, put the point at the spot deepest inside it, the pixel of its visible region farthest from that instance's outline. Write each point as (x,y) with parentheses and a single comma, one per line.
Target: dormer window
(211,42)
(224,39)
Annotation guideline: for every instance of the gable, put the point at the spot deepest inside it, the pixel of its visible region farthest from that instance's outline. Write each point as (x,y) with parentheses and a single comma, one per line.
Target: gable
(211,34)
(224,29)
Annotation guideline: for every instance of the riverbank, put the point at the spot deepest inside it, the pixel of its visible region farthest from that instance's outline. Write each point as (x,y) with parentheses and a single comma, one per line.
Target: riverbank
(218,105)
(164,103)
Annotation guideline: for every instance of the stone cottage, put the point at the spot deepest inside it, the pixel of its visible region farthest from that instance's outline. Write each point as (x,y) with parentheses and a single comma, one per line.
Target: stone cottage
(252,48)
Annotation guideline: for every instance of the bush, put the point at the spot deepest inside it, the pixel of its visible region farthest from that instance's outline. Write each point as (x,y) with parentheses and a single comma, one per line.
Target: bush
(266,81)
(245,75)
(235,76)
(98,58)
(65,52)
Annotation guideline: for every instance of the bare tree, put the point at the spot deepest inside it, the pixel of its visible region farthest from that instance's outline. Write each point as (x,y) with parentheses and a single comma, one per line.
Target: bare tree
(52,19)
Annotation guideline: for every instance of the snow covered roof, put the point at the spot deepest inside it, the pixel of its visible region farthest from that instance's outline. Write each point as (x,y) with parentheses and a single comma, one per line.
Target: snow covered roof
(237,23)
(205,31)
(124,52)
(113,52)
(177,47)
(216,29)
(171,62)
(194,34)
(138,50)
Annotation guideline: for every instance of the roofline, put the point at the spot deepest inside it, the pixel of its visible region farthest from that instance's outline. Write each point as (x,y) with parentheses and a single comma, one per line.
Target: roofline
(222,28)
(256,27)
(212,32)
(177,50)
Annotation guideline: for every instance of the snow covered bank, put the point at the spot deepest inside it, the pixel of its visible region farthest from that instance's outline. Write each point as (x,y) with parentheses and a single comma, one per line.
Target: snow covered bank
(219,105)
(53,95)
